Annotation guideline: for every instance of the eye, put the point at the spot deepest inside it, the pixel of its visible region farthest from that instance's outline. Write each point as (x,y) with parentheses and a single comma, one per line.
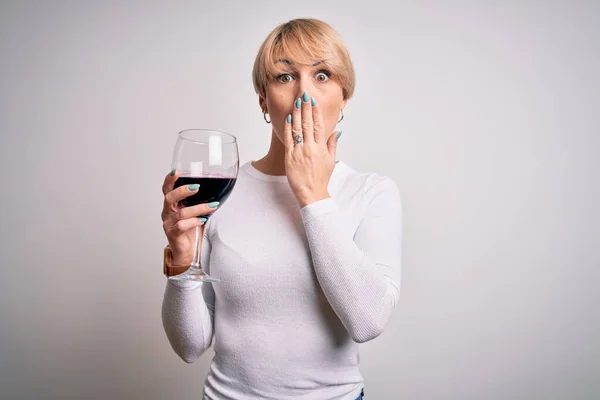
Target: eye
(323,76)
(285,78)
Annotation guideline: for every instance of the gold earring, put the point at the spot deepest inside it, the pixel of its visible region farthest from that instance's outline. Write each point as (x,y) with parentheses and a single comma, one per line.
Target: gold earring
(265,117)
(340,120)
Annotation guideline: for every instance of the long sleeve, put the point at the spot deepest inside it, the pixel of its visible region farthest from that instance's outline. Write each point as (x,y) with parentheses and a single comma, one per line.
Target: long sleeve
(359,271)
(188,313)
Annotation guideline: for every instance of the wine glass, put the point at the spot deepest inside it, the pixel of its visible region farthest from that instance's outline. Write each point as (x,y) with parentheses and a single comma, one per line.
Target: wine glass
(209,158)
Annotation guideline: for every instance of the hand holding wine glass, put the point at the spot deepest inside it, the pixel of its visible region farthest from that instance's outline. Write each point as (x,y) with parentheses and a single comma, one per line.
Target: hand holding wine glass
(205,167)
(179,222)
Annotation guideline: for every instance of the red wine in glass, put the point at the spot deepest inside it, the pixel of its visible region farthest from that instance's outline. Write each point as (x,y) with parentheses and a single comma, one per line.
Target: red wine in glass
(211,189)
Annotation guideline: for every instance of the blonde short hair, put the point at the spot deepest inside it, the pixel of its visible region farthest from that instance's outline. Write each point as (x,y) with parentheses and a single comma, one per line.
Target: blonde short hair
(304,41)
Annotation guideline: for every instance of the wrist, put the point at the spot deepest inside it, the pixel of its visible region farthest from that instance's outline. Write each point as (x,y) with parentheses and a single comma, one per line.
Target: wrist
(180,263)
(313,198)
(173,266)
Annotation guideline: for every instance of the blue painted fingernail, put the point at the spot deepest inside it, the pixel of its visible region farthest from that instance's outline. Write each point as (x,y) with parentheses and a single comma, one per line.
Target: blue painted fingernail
(202,219)
(214,204)
(172,173)
(313,101)
(298,102)
(305,97)
(339,134)
(289,119)
(193,187)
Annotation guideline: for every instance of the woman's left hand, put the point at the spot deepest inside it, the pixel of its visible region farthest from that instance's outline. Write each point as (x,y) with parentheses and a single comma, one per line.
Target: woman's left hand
(309,163)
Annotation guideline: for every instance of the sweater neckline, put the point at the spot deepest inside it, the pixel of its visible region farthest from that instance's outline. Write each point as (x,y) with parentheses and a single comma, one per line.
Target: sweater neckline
(252,171)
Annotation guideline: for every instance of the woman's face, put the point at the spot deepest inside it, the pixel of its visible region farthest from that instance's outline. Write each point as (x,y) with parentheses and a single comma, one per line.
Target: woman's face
(283,91)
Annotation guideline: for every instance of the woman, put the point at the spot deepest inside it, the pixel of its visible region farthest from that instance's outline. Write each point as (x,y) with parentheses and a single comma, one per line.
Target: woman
(307,249)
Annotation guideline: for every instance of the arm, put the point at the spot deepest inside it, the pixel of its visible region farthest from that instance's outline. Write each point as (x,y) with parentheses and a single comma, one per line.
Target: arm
(359,273)
(188,313)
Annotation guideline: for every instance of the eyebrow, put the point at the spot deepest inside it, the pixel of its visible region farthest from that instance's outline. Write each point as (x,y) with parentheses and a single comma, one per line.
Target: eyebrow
(289,62)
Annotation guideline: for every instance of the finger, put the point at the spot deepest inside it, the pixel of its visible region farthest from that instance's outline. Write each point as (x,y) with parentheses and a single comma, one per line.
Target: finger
(183,226)
(169,181)
(332,142)
(297,120)
(307,119)
(176,195)
(174,217)
(288,139)
(318,125)
(195,211)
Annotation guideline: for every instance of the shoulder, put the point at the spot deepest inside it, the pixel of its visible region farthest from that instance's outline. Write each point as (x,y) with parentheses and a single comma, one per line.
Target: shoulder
(369,185)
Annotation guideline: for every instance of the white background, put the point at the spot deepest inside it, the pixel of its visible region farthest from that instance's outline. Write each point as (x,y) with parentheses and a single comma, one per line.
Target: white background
(486,114)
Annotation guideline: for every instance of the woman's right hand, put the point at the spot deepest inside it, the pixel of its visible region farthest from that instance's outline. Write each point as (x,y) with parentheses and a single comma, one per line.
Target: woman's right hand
(179,222)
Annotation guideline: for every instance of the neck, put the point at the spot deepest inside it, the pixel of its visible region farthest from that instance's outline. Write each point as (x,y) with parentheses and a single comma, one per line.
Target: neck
(273,163)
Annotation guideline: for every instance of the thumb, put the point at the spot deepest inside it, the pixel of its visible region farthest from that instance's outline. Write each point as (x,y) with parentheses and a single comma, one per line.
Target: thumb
(333,141)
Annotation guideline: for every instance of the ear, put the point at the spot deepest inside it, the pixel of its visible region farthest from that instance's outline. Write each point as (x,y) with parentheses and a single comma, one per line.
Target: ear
(262,103)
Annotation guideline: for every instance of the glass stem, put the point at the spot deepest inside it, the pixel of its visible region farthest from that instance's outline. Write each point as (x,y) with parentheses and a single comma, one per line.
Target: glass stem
(196,260)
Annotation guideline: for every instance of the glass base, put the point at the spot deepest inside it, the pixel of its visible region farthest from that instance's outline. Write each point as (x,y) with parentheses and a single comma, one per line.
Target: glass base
(194,274)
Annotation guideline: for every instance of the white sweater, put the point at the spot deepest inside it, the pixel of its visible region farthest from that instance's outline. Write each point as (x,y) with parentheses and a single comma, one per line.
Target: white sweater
(299,287)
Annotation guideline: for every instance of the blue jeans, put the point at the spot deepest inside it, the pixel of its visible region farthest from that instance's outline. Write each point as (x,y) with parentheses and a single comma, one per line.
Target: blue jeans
(362,393)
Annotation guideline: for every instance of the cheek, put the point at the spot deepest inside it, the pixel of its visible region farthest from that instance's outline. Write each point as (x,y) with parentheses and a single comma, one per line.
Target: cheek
(280,105)
(331,115)
(331,101)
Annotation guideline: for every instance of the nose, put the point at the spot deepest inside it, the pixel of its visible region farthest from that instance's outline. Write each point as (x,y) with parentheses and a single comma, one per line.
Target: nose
(304,85)
(301,90)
